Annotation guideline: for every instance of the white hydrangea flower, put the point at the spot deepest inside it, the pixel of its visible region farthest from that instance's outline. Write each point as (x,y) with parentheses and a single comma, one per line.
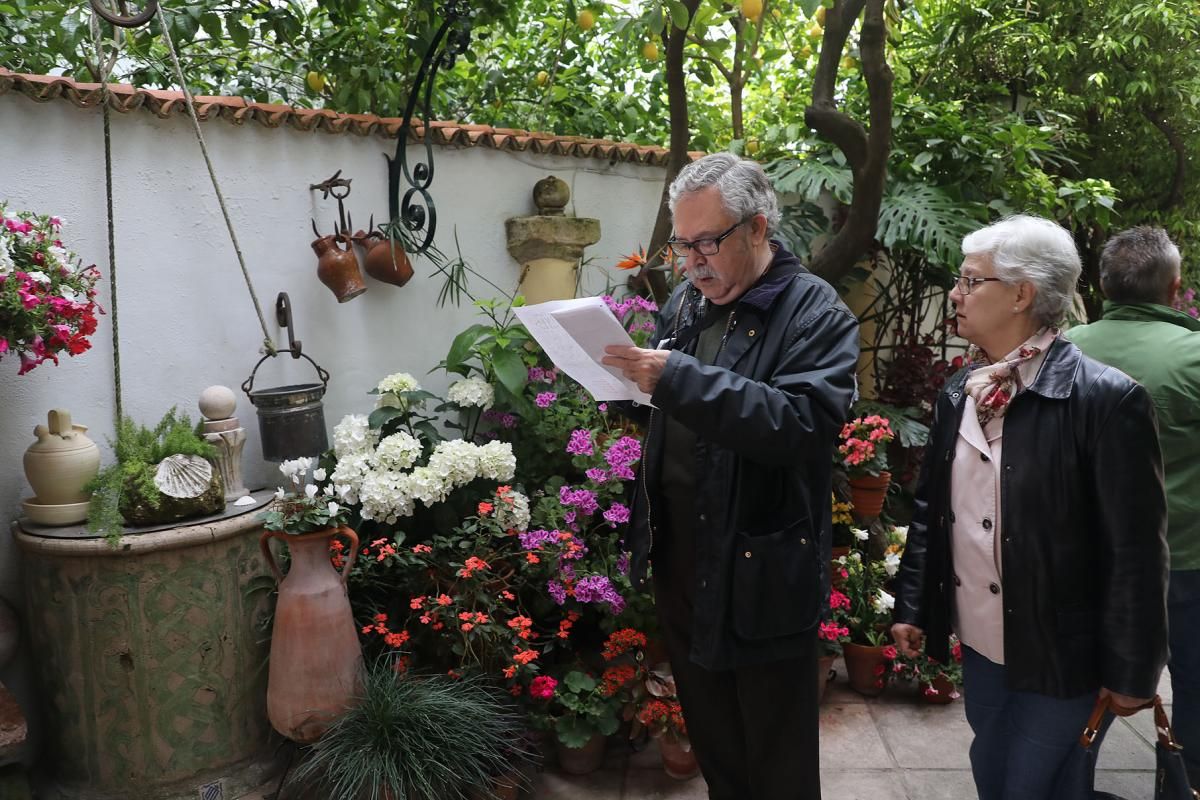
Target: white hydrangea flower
(428,486)
(515,516)
(497,462)
(398,451)
(385,496)
(349,474)
(891,563)
(353,435)
(883,601)
(472,392)
(398,382)
(455,461)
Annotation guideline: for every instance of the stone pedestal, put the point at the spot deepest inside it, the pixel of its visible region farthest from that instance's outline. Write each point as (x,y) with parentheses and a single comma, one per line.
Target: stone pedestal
(152,659)
(223,431)
(549,245)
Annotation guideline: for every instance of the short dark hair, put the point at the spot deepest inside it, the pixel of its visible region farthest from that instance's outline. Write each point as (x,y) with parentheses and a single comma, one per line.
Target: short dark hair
(1138,266)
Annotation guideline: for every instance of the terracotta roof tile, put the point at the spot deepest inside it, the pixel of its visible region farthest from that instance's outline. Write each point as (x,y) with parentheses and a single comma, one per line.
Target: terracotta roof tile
(163,103)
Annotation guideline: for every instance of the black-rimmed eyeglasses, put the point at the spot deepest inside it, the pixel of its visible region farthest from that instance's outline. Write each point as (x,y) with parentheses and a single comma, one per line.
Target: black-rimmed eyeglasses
(705,247)
(966,284)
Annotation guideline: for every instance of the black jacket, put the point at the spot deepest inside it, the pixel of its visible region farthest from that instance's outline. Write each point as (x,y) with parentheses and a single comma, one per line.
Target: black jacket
(766,415)
(1084,532)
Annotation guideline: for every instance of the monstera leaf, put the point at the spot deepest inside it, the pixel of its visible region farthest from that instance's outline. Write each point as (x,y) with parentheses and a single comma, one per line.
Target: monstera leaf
(926,218)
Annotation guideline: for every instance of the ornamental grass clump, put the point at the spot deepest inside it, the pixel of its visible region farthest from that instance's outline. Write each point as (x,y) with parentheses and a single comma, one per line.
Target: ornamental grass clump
(417,738)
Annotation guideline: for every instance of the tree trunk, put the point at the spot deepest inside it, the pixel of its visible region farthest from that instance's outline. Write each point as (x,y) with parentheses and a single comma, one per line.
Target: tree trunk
(1175,193)
(866,153)
(681,136)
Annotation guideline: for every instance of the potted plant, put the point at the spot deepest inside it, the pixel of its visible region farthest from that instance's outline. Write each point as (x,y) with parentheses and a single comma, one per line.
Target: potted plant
(582,714)
(47,298)
(409,737)
(831,638)
(937,682)
(160,474)
(662,716)
(864,609)
(862,452)
(316,659)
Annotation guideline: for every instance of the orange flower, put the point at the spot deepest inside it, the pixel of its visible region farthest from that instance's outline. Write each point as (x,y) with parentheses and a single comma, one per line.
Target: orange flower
(444,600)
(416,602)
(510,671)
(396,639)
(532,558)
(485,509)
(525,656)
(633,260)
(466,626)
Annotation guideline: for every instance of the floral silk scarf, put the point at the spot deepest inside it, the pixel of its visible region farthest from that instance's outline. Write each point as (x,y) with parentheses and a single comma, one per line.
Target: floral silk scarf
(994,385)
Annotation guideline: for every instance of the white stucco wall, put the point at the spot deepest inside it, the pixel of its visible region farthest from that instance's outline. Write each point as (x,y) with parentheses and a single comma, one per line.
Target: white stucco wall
(186,320)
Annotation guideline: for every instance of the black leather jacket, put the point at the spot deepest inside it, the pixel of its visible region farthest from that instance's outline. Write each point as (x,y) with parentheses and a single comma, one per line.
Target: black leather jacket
(766,415)
(1084,532)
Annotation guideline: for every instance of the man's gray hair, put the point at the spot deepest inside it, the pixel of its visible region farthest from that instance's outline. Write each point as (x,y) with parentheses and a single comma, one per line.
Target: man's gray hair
(1028,248)
(745,189)
(1139,265)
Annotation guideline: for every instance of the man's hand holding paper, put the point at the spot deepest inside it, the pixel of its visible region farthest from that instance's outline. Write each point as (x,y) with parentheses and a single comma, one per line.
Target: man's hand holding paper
(637,364)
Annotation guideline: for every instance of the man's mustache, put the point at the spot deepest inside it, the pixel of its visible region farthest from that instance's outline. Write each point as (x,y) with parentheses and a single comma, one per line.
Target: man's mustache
(697,273)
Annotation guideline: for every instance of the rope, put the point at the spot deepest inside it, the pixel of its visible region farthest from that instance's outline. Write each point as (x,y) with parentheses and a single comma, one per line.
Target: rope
(268,344)
(102,72)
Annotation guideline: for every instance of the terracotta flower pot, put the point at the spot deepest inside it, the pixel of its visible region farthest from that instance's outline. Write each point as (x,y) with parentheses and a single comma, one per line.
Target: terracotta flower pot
(581,760)
(338,269)
(386,261)
(316,660)
(866,668)
(867,493)
(677,762)
(825,674)
(940,692)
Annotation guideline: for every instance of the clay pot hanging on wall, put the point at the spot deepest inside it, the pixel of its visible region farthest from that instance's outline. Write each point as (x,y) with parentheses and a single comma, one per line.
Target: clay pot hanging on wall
(338,269)
(386,261)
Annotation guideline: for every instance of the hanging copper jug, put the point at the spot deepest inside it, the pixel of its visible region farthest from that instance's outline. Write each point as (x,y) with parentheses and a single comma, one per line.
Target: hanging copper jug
(338,268)
(316,659)
(386,261)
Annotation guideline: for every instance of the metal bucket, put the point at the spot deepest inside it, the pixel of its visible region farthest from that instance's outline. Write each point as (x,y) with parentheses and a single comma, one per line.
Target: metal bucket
(291,419)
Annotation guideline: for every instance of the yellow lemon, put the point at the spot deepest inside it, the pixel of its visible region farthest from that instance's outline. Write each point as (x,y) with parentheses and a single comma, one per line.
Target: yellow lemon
(752,9)
(542,77)
(820,18)
(776,13)
(814,31)
(650,51)
(585,20)
(806,51)
(315,81)
(849,62)
(752,147)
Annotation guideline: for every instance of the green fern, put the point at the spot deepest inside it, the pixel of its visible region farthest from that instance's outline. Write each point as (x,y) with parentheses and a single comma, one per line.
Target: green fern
(138,450)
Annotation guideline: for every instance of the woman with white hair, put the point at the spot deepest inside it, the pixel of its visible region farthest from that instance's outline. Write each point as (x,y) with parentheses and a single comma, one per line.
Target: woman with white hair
(1039,530)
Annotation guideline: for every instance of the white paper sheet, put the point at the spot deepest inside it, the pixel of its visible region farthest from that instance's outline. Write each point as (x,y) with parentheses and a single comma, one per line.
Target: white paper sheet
(574,334)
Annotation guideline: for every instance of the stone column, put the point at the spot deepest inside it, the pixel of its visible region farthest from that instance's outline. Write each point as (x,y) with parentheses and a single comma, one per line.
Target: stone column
(223,431)
(549,245)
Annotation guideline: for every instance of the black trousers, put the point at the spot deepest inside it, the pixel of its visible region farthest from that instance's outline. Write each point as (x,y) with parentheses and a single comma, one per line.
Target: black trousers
(753,729)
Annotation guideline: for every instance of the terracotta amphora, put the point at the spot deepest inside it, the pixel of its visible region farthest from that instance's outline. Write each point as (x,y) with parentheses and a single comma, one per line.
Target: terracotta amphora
(316,659)
(386,261)
(338,269)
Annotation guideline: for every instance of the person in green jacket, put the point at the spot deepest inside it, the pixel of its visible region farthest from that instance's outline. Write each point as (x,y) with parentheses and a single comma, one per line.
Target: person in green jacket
(1144,337)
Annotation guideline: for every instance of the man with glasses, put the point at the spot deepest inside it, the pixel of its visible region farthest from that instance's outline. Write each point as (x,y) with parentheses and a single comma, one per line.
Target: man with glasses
(752,379)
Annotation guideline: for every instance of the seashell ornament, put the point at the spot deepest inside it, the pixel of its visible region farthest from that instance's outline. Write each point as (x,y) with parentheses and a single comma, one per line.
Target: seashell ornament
(183,476)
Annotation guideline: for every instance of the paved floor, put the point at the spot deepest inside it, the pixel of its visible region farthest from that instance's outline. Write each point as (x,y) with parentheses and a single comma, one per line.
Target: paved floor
(894,747)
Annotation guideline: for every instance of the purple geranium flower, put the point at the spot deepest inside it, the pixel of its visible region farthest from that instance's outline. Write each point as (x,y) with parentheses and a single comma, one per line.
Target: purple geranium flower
(545,399)
(557,591)
(617,513)
(596,474)
(581,443)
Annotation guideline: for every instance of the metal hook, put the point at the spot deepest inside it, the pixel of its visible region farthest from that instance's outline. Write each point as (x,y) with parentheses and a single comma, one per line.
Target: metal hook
(124,20)
(283,315)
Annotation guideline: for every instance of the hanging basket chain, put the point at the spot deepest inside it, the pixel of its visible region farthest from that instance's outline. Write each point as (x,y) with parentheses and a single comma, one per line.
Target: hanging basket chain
(101,71)
(268,344)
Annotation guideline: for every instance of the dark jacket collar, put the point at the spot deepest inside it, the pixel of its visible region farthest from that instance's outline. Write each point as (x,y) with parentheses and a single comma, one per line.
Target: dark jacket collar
(784,266)
(1054,380)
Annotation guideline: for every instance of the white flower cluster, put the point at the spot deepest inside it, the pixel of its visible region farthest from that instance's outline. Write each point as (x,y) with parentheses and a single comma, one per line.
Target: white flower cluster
(883,601)
(297,471)
(515,516)
(473,392)
(377,478)
(353,435)
(398,451)
(6,262)
(398,382)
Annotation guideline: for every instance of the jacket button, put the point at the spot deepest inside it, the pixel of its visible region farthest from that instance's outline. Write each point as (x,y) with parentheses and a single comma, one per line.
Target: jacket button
(994,588)
(951,517)
(704,583)
(984,457)
(804,541)
(704,518)
(751,332)
(987,524)
(747,554)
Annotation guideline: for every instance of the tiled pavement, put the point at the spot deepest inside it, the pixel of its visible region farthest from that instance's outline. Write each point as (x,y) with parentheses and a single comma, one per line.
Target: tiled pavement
(894,747)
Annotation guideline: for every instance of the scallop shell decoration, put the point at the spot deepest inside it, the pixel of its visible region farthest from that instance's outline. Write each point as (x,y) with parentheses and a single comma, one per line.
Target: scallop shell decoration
(183,476)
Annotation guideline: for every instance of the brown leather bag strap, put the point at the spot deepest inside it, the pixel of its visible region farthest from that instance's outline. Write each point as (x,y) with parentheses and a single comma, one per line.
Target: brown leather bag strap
(1092,729)
(1105,704)
(1162,725)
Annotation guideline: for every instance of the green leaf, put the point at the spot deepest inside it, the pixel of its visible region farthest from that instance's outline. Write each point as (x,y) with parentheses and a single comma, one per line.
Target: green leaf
(510,370)
(925,218)
(656,21)
(579,682)
(679,14)
(380,416)
(211,23)
(461,347)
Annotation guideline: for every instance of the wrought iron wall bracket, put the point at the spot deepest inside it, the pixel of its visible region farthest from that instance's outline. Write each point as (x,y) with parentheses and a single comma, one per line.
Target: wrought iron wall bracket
(415,208)
(283,315)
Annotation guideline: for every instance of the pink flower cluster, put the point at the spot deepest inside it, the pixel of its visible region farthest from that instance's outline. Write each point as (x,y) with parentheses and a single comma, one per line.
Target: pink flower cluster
(862,441)
(622,455)
(542,687)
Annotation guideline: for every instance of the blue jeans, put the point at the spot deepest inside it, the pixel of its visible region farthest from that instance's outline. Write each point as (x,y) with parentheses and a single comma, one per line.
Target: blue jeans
(1183,607)
(1023,740)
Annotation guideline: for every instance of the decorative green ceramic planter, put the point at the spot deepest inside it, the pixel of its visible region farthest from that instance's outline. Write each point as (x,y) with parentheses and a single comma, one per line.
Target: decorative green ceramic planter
(152,659)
